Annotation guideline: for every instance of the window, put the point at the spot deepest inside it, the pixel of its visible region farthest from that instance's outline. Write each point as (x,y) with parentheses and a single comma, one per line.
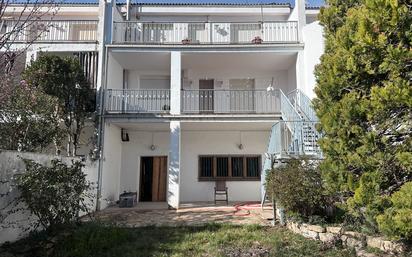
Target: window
(206,164)
(229,168)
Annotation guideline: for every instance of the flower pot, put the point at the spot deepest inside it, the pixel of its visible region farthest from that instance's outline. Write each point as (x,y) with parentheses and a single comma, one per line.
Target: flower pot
(257,40)
(186,41)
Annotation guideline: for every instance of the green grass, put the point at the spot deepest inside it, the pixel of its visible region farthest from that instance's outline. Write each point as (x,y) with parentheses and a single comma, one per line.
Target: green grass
(212,240)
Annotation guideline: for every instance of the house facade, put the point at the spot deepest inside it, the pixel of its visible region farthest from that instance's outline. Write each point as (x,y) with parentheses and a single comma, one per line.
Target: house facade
(194,92)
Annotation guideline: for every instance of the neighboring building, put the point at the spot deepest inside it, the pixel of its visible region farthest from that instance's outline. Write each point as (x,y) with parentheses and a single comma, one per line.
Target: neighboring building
(197,91)
(70,29)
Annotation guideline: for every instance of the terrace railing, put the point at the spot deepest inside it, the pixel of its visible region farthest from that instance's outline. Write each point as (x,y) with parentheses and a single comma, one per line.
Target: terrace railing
(137,101)
(230,101)
(132,32)
(49,30)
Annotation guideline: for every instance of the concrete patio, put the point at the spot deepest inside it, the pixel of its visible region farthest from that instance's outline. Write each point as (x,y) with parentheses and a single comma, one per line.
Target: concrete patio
(191,214)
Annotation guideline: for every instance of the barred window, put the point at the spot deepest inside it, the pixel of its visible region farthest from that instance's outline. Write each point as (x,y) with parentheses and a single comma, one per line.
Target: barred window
(229,167)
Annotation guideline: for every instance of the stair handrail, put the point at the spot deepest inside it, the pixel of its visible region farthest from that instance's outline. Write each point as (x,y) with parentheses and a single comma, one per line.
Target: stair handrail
(302,102)
(272,149)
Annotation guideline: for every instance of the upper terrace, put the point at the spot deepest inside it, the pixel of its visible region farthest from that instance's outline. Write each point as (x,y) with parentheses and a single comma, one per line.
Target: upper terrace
(66,21)
(50,30)
(205,23)
(199,83)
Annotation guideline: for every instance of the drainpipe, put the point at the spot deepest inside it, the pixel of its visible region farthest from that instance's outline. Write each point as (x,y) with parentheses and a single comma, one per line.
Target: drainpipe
(106,12)
(128,10)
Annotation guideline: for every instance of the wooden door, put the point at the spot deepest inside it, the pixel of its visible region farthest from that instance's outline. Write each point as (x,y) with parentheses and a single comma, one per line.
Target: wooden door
(159,179)
(153,179)
(206,95)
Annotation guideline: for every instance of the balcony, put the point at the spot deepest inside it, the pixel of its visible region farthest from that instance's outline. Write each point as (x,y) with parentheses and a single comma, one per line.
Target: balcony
(229,102)
(137,101)
(49,31)
(275,32)
(194,102)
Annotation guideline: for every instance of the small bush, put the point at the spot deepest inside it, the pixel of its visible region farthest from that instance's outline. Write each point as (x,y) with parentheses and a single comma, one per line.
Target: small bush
(56,194)
(297,186)
(396,221)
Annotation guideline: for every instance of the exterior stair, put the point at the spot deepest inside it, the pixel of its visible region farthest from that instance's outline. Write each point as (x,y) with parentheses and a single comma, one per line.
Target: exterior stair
(294,136)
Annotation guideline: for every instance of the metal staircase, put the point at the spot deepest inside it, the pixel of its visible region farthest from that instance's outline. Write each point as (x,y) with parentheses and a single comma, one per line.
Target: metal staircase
(294,136)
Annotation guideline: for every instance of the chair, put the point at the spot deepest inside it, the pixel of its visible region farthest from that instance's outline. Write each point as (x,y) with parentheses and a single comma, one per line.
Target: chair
(221,189)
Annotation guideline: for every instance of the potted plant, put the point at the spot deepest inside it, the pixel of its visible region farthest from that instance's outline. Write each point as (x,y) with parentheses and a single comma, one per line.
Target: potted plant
(257,40)
(186,41)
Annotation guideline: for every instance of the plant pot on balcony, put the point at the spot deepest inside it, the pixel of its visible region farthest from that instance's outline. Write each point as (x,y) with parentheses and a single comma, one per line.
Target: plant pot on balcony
(257,40)
(186,41)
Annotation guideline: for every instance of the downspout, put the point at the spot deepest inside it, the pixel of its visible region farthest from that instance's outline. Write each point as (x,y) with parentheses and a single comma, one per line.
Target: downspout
(105,38)
(128,10)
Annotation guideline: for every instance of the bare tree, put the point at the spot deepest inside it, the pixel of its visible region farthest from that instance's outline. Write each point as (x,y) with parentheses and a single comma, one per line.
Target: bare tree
(20,25)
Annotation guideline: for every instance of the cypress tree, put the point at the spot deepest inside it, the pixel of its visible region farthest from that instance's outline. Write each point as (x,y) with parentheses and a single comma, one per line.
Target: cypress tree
(364,99)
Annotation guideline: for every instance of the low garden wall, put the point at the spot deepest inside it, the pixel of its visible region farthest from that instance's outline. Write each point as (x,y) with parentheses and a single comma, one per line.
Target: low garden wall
(353,239)
(15,219)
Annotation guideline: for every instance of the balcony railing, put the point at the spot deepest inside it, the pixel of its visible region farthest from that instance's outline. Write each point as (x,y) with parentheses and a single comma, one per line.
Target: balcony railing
(203,102)
(137,101)
(50,30)
(230,101)
(132,32)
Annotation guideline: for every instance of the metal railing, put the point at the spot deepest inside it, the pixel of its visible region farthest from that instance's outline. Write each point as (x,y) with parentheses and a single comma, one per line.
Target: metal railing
(283,142)
(137,100)
(302,103)
(49,30)
(230,101)
(204,33)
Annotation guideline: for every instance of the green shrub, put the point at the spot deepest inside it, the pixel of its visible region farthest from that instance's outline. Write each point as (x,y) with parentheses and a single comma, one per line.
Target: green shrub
(297,187)
(396,221)
(56,194)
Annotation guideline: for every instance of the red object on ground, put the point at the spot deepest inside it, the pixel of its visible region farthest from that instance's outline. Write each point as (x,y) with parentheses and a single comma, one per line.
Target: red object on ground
(245,207)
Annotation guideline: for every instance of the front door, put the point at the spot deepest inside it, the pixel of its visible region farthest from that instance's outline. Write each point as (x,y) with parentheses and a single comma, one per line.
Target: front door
(206,95)
(153,178)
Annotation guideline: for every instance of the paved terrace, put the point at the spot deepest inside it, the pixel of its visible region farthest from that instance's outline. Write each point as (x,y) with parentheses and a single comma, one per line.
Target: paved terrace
(190,214)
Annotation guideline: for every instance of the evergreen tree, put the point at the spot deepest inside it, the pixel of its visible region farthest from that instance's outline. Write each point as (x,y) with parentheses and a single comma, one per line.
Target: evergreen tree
(364,99)
(64,79)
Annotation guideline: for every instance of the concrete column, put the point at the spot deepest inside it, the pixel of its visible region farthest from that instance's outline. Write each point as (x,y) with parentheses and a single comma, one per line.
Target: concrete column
(175,82)
(300,7)
(173,190)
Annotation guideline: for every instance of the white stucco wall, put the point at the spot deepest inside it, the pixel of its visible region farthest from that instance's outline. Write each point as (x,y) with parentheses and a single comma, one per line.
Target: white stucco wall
(195,143)
(314,48)
(112,158)
(137,147)
(286,80)
(262,79)
(114,74)
(17,224)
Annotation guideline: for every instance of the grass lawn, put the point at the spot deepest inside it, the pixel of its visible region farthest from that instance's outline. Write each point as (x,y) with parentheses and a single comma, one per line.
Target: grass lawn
(211,240)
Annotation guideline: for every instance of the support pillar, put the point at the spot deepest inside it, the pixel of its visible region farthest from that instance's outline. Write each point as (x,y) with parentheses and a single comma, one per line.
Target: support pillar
(300,7)
(175,82)
(173,190)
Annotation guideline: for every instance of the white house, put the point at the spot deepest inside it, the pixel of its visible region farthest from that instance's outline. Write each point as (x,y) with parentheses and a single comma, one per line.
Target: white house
(192,92)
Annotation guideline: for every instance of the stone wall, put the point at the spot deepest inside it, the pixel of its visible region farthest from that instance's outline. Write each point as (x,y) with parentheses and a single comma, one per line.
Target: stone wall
(16,225)
(352,239)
